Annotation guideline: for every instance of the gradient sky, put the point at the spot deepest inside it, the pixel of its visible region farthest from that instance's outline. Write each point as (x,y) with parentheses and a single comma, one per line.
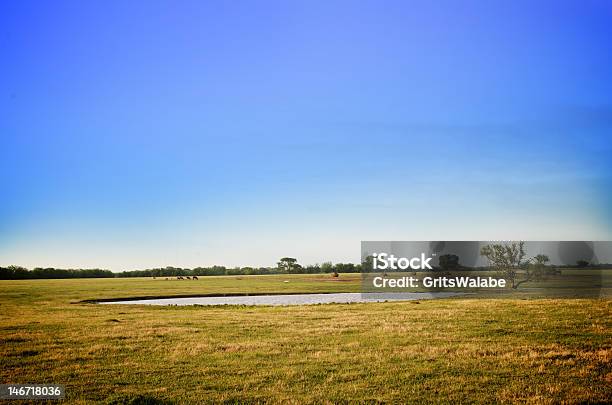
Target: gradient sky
(142,134)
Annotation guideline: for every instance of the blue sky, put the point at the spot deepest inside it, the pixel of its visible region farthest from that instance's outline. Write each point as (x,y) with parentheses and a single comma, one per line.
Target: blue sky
(143,134)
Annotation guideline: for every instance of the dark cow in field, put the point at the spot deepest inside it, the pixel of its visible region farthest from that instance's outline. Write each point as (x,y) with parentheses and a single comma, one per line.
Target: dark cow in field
(188,278)
(179,277)
(194,278)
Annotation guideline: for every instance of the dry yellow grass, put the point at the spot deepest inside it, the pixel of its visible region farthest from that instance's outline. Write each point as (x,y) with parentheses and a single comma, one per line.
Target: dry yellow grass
(452,350)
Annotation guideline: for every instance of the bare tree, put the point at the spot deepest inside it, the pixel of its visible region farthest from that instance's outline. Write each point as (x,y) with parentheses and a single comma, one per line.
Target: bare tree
(507,259)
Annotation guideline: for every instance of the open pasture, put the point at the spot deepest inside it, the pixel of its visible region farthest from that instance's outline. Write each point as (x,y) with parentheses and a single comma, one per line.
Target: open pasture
(449,350)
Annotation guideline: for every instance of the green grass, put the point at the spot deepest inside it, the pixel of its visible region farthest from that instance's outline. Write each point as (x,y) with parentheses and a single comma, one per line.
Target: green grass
(452,350)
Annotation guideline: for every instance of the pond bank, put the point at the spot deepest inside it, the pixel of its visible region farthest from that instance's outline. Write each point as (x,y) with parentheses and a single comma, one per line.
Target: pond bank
(284,299)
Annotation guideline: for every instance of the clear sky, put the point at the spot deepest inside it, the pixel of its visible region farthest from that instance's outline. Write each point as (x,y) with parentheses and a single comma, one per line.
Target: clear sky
(142,134)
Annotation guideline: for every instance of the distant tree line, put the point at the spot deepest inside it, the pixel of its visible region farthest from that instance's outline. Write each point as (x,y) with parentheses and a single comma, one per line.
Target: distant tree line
(21,273)
(286,265)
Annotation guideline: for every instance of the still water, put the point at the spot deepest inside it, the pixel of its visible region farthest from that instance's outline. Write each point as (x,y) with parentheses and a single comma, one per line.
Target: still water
(292,299)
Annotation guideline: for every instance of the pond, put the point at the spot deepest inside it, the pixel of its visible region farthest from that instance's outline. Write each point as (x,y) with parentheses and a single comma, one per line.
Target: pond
(291,299)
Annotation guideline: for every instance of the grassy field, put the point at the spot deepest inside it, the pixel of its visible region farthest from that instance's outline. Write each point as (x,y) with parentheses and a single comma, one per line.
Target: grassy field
(451,350)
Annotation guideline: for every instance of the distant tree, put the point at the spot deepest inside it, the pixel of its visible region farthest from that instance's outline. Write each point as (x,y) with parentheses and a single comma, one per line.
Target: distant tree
(506,259)
(327,267)
(541,259)
(312,269)
(344,268)
(448,262)
(537,268)
(582,263)
(367,266)
(288,265)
